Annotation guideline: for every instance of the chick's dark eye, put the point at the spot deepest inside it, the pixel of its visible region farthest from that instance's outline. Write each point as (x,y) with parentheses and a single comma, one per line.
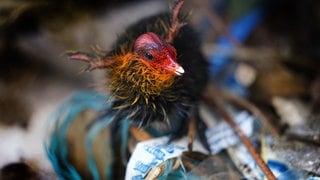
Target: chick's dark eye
(149,56)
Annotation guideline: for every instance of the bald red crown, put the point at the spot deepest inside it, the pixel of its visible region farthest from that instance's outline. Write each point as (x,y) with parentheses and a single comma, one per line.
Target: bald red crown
(158,53)
(148,40)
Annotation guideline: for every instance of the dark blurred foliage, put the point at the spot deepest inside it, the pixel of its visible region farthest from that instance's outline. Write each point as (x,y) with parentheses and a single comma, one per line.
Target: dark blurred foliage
(299,21)
(19,170)
(21,16)
(18,69)
(293,26)
(8,114)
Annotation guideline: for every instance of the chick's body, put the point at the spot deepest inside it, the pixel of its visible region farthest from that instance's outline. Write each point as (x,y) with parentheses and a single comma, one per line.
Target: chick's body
(154,100)
(156,74)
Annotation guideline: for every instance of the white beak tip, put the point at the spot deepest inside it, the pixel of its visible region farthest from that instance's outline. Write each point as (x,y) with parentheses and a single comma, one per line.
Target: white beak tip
(179,71)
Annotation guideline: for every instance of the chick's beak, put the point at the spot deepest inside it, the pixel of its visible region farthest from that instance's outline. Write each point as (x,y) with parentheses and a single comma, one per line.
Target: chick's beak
(179,71)
(173,66)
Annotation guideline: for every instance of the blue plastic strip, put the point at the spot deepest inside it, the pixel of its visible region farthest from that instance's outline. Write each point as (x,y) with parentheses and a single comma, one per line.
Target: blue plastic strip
(240,30)
(57,147)
(124,130)
(93,132)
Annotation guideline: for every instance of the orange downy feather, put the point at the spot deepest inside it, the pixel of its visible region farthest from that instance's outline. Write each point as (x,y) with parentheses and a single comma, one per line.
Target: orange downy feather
(129,70)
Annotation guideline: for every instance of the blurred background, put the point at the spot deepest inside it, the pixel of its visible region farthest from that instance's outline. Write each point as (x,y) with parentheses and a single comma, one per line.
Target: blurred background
(265,51)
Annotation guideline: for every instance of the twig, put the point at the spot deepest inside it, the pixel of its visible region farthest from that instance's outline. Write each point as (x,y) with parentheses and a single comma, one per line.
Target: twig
(310,139)
(192,131)
(252,108)
(249,54)
(221,110)
(140,134)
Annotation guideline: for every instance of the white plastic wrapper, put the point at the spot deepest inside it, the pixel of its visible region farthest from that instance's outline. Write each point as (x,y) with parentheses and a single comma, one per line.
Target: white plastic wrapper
(151,153)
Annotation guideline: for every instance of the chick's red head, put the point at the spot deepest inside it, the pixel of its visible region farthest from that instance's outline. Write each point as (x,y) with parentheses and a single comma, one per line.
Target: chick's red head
(159,54)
